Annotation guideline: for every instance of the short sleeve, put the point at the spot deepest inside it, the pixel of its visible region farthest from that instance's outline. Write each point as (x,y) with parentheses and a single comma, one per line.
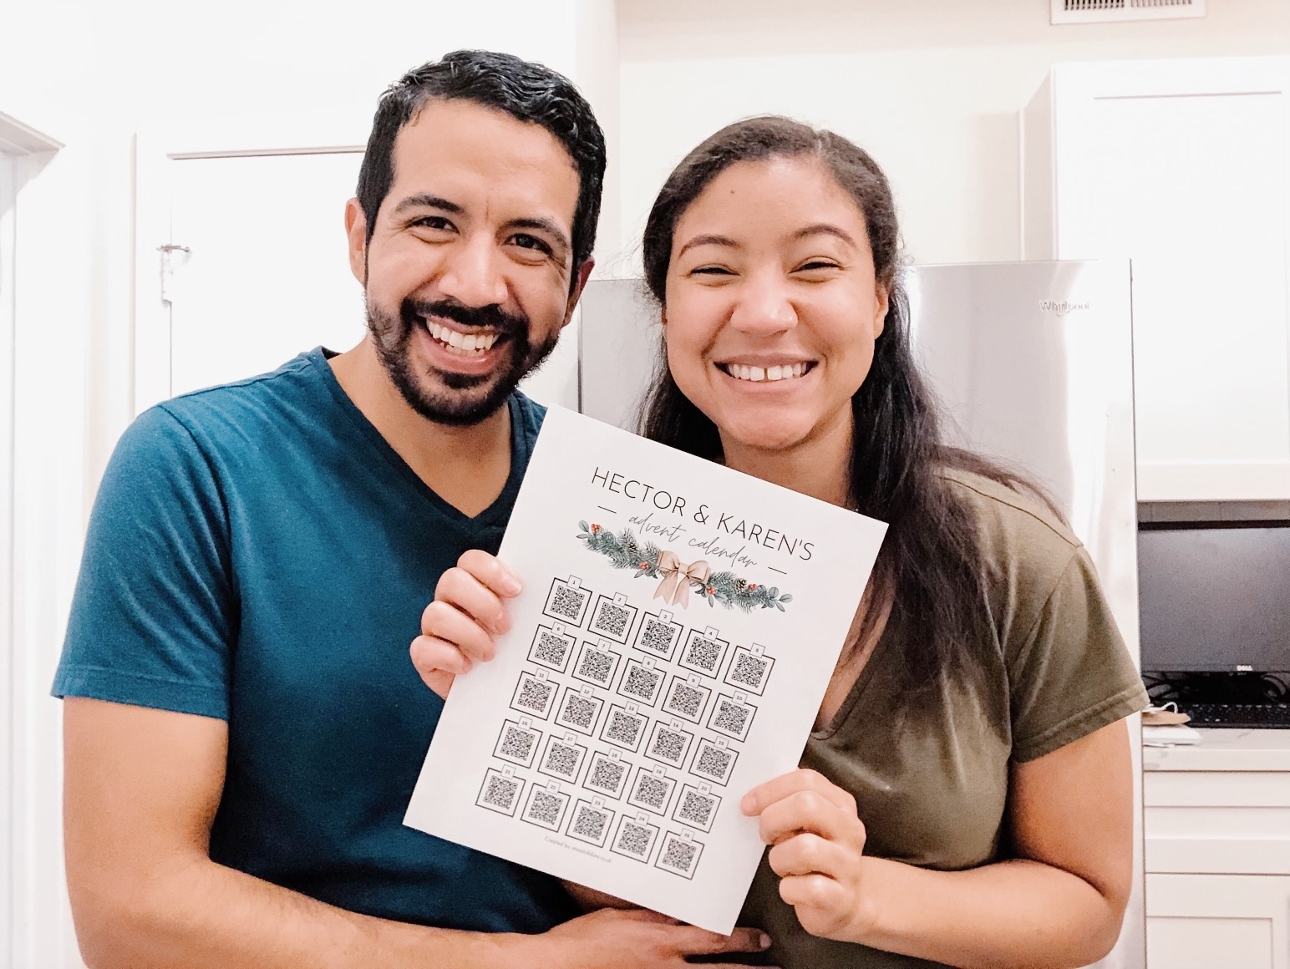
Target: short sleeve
(154,613)
(1071,674)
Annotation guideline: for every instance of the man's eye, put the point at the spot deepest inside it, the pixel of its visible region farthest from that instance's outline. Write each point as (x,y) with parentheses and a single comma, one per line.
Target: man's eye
(436,222)
(525,241)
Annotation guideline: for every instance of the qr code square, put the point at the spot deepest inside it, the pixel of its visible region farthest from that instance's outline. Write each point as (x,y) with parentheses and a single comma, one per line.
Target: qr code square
(561,759)
(713,762)
(579,712)
(686,699)
(546,808)
(651,791)
(634,839)
(679,856)
(500,793)
(596,665)
(607,775)
(516,744)
(567,602)
(696,808)
(668,745)
(550,649)
(624,728)
(612,619)
(703,653)
(590,823)
(749,672)
(731,718)
(534,695)
(641,683)
(657,637)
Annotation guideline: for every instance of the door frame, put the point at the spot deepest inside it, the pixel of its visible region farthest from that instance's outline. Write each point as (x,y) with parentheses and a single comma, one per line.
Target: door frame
(156,151)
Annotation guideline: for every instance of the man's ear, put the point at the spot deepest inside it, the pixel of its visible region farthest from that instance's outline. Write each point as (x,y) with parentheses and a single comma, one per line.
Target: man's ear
(584,273)
(356,231)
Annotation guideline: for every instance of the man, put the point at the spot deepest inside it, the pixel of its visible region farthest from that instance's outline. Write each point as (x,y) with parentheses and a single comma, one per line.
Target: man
(243,724)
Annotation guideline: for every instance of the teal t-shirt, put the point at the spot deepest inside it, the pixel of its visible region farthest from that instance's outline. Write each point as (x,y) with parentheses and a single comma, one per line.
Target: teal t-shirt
(258,553)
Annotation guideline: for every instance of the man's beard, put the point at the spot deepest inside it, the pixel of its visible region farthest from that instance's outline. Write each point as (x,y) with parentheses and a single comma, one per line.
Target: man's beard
(466,399)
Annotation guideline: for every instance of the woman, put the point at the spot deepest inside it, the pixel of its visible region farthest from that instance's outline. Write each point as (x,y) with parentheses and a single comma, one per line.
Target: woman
(966,796)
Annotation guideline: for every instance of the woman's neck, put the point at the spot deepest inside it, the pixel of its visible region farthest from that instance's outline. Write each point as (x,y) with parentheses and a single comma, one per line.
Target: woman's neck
(819,466)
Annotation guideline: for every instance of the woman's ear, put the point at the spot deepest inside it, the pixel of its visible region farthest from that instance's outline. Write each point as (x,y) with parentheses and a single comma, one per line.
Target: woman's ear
(881,303)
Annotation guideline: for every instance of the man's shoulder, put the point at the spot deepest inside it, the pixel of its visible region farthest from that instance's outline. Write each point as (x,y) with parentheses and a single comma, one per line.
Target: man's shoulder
(250,399)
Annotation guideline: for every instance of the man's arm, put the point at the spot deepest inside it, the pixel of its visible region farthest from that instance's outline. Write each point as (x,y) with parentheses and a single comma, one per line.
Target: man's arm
(141,787)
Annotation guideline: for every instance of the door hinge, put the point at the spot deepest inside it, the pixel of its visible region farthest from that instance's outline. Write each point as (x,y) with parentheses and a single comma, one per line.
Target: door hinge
(168,268)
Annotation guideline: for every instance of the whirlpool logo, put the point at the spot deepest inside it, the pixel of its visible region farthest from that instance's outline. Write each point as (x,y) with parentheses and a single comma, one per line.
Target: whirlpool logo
(1060,306)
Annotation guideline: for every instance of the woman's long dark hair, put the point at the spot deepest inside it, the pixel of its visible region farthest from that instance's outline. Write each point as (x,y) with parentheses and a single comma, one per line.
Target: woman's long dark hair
(930,570)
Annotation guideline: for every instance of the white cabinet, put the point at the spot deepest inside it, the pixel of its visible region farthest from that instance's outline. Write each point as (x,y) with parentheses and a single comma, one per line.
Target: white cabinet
(1217,825)
(1183,167)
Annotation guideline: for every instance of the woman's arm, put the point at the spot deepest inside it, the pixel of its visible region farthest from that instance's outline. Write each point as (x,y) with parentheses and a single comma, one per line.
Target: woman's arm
(1060,903)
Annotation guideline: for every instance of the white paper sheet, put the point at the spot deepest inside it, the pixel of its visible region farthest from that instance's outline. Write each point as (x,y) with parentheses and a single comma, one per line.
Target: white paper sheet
(677,630)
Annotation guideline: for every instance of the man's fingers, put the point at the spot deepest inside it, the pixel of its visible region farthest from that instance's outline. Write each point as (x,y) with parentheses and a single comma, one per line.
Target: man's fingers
(464,592)
(695,941)
(431,655)
(489,571)
(448,623)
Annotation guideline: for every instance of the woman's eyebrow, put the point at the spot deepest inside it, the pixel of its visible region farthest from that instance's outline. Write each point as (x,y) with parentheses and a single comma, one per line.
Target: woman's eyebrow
(824,228)
(708,240)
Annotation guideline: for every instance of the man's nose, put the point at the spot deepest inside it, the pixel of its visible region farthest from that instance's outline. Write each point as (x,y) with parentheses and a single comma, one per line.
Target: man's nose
(763,305)
(473,274)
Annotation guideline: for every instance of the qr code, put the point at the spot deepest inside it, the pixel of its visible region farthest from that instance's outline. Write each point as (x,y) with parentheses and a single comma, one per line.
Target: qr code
(517,744)
(500,792)
(656,636)
(641,682)
(550,648)
(545,808)
(633,839)
(607,775)
(696,809)
(714,762)
(668,745)
(680,855)
(748,670)
(580,711)
(651,791)
(612,619)
(596,665)
(535,694)
(590,823)
(561,759)
(686,700)
(566,601)
(703,653)
(731,717)
(623,728)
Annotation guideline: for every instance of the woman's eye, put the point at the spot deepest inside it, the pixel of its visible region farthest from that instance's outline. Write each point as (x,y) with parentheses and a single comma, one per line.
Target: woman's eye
(817,264)
(711,271)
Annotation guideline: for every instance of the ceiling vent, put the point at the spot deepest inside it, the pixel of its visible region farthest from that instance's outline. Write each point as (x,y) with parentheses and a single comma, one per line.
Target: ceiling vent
(1109,11)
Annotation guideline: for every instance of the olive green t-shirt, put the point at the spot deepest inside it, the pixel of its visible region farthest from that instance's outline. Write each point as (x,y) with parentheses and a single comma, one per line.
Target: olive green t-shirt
(931,779)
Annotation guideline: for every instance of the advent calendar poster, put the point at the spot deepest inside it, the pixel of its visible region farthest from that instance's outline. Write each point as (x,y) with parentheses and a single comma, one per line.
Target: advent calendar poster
(676,632)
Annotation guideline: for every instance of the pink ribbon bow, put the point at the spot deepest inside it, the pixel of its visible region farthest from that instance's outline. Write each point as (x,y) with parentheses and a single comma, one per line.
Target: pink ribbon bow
(677,576)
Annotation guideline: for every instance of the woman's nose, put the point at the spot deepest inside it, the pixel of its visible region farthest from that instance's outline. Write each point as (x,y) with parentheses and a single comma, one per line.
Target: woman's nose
(473,274)
(763,306)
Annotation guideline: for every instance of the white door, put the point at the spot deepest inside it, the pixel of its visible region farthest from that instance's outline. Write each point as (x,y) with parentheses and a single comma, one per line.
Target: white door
(242,262)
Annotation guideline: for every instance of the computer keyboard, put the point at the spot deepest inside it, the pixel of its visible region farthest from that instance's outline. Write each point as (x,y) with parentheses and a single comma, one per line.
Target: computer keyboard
(1248,715)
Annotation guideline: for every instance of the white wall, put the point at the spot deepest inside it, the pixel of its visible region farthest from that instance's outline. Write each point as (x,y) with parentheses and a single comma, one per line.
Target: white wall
(932,88)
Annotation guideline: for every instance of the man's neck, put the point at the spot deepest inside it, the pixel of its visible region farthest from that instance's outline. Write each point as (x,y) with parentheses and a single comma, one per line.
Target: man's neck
(466,466)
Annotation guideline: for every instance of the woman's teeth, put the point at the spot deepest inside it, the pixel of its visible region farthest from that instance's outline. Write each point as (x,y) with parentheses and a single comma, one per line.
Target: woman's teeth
(475,343)
(740,372)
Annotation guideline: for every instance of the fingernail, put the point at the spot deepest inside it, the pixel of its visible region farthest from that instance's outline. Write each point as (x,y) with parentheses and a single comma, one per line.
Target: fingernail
(747,805)
(764,941)
(511,584)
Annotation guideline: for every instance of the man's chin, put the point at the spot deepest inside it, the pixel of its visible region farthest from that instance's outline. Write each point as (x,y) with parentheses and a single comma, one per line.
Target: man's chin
(460,400)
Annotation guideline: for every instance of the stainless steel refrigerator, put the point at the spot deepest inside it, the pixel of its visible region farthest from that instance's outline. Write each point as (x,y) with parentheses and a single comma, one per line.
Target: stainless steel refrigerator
(1034,363)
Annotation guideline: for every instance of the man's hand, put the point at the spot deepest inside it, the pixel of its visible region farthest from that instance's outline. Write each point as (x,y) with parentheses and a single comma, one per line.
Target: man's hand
(637,939)
(458,627)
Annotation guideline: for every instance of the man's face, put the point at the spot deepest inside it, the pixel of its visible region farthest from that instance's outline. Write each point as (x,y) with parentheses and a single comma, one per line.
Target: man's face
(468,270)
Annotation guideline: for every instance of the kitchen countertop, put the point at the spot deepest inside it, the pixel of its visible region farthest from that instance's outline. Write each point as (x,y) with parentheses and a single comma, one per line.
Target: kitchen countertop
(1224,749)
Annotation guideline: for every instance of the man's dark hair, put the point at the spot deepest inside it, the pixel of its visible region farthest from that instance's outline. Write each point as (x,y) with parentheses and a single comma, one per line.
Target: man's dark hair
(526,91)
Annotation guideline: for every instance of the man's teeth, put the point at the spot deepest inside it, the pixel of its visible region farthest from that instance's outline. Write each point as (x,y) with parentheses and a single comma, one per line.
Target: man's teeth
(476,342)
(740,372)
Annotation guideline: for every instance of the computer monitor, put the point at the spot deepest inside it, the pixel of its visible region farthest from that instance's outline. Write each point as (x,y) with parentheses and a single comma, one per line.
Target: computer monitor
(1215,597)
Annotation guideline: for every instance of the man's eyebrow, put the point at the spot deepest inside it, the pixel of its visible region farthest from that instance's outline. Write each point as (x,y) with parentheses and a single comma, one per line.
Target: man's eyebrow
(427,201)
(824,228)
(548,226)
(708,240)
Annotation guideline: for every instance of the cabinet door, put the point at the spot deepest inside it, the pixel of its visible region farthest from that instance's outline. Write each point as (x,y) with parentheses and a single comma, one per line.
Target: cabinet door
(1181,166)
(1218,922)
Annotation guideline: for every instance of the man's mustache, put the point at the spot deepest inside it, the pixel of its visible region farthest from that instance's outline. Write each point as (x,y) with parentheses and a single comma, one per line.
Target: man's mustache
(491,316)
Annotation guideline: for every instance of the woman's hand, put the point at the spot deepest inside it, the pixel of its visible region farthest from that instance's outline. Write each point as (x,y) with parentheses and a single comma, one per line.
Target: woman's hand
(818,846)
(457,629)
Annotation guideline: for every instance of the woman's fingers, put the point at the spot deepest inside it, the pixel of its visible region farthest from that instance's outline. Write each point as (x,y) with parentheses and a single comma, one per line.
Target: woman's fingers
(763,795)
(809,811)
(806,854)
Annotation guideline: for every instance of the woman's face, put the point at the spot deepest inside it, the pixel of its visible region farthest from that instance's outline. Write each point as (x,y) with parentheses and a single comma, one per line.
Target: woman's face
(772,307)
